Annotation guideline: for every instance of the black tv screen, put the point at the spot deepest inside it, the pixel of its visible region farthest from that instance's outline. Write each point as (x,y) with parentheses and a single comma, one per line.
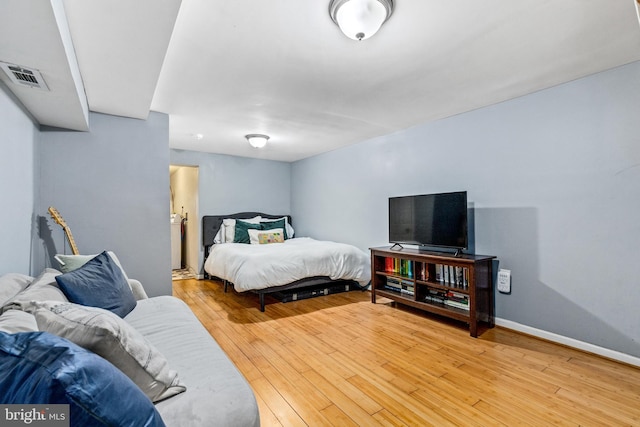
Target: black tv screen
(429,220)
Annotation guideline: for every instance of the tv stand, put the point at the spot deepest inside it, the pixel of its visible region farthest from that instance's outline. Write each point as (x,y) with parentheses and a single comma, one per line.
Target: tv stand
(396,246)
(458,286)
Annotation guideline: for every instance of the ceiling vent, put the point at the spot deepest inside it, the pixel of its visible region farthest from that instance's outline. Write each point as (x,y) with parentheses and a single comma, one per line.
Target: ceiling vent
(24,76)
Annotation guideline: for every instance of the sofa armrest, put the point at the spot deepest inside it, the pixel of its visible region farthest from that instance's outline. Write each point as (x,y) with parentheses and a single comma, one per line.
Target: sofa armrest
(137,289)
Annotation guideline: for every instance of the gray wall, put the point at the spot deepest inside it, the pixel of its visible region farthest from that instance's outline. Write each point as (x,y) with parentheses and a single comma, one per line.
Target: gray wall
(17,174)
(111,185)
(554,178)
(230,184)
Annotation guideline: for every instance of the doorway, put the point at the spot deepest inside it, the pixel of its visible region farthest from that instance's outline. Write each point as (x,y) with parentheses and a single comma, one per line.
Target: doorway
(184,216)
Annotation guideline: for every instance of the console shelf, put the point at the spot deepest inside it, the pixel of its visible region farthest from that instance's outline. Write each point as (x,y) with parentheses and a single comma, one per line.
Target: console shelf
(457,287)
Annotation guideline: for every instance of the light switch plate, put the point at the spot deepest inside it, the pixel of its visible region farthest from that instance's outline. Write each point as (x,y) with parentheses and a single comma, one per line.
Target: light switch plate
(504,281)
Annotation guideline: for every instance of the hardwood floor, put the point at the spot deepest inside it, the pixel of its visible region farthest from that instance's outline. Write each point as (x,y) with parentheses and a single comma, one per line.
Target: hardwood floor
(339,360)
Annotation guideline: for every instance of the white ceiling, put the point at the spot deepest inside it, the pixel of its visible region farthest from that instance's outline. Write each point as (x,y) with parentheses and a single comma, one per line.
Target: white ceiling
(224,69)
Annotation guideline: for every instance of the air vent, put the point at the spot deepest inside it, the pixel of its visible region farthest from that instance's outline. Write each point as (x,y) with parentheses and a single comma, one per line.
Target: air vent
(24,76)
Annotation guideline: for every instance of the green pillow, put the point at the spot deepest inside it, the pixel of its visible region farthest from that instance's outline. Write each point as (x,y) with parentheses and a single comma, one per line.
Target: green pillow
(270,225)
(241,234)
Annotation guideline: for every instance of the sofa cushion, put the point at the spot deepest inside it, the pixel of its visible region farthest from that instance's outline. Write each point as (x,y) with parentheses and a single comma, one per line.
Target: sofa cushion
(107,335)
(172,328)
(12,321)
(42,288)
(42,368)
(11,284)
(99,283)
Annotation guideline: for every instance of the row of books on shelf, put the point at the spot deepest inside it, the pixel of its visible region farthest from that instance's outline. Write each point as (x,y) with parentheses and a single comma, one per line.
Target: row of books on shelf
(403,267)
(405,287)
(436,296)
(448,275)
(448,298)
(452,275)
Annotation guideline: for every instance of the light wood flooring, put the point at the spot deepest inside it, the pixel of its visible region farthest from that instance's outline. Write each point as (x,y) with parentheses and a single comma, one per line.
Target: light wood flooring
(339,360)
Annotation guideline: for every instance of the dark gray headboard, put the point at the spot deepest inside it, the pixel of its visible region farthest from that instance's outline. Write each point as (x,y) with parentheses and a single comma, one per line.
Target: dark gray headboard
(211,224)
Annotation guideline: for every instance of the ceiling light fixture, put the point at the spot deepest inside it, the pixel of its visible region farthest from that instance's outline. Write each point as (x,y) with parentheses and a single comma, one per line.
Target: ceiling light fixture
(257,140)
(360,19)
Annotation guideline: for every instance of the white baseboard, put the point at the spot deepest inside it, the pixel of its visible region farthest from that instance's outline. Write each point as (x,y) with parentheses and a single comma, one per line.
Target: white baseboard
(569,342)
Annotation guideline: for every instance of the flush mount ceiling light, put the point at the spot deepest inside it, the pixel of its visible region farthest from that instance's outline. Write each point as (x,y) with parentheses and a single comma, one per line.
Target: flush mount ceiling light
(257,140)
(360,19)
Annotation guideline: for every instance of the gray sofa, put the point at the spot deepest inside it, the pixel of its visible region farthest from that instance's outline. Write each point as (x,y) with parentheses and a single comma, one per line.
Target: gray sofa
(216,392)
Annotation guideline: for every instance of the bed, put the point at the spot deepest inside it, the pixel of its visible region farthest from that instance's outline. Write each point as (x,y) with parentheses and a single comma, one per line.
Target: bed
(293,263)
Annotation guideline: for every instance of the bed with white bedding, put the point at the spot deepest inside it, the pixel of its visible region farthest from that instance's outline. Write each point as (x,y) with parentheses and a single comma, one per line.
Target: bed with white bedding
(294,263)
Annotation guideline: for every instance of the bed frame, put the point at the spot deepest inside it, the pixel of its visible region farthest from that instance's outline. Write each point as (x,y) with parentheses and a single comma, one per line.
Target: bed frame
(210,226)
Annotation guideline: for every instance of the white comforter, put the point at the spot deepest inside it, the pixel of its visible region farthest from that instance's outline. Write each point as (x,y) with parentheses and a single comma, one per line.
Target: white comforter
(253,267)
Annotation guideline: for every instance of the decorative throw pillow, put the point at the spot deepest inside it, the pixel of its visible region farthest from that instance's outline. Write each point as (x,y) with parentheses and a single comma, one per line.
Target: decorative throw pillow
(99,283)
(279,223)
(242,234)
(46,369)
(69,263)
(272,237)
(107,335)
(261,237)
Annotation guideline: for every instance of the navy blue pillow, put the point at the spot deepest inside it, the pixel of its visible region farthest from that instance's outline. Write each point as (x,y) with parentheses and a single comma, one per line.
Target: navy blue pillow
(41,368)
(99,283)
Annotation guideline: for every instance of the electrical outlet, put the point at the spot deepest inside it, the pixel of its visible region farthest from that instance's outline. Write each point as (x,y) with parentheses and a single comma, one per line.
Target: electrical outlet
(504,281)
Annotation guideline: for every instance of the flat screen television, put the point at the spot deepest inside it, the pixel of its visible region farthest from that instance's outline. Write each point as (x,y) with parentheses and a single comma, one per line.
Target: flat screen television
(433,220)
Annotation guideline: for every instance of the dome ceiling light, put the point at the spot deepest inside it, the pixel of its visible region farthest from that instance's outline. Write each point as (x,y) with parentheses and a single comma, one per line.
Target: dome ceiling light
(257,140)
(360,19)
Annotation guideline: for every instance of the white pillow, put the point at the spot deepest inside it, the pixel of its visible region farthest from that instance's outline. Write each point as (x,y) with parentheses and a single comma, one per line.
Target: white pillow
(11,284)
(290,230)
(69,263)
(13,321)
(229,225)
(110,337)
(255,236)
(43,288)
(219,237)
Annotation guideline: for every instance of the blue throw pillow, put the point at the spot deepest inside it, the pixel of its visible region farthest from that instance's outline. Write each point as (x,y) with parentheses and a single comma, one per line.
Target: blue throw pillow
(99,283)
(41,368)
